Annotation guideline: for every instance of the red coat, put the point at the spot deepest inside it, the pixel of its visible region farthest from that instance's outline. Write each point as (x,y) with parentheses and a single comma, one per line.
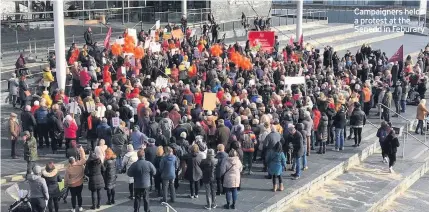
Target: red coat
(84,78)
(198,98)
(70,129)
(316,119)
(107,76)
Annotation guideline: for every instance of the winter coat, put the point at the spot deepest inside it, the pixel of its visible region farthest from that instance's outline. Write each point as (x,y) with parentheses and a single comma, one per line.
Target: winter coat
(94,169)
(137,139)
(391,144)
(52,178)
(358,118)
(193,170)
(119,140)
(41,115)
(276,162)
(168,166)
(105,132)
(28,121)
(322,130)
(70,129)
(221,158)
(13,86)
(222,135)
(127,161)
(38,187)
(308,126)
(421,112)
(382,134)
(271,140)
(297,143)
(75,173)
(141,171)
(14,129)
(208,167)
(150,153)
(340,120)
(30,149)
(109,174)
(230,170)
(23,86)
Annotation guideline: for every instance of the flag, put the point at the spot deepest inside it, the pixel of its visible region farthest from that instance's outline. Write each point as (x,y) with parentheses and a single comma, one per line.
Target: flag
(291,40)
(301,41)
(398,56)
(107,39)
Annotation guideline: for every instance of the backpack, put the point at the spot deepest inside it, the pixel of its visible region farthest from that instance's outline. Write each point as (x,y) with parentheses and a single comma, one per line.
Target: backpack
(165,126)
(248,144)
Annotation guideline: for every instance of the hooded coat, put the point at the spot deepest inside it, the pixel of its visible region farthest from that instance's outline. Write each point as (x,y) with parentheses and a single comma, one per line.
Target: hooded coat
(109,174)
(94,169)
(52,178)
(193,171)
(231,170)
(168,166)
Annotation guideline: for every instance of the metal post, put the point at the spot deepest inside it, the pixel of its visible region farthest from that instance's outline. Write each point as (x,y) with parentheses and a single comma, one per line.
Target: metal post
(73,38)
(60,58)
(35,46)
(403,146)
(16,36)
(123,11)
(29,44)
(184,8)
(299,9)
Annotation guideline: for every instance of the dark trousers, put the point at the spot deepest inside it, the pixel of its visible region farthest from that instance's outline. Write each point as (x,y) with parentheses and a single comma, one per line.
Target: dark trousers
(76,193)
(43,133)
(331,133)
(13,99)
(38,204)
(358,135)
(13,148)
(94,201)
(383,151)
(247,160)
(397,106)
(419,126)
(210,193)
(366,107)
(255,153)
(55,143)
(131,189)
(403,105)
(385,115)
(30,166)
(194,186)
(219,183)
(93,142)
(68,142)
(139,193)
(53,204)
(158,181)
(111,195)
(168,185)
(279,177)
(231,194)
(392,159)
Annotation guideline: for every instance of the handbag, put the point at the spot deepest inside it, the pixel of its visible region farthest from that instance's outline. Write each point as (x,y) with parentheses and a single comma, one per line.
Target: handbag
(27,93)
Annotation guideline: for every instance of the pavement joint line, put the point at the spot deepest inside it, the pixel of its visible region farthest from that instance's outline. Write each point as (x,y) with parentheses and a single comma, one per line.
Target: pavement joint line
(19,177)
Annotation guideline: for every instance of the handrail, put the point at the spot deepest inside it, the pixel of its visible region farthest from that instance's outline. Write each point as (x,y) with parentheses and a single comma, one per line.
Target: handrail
(422,142)
(384,106)
(372,124)
(168,206)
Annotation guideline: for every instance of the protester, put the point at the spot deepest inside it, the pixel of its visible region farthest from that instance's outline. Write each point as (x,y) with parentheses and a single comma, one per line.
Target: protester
(30,151)
(231,170)
(129,158)
(276,161)
(38,190)
(52,177)
(382,133)
(390,145)
(73,179)
(14,131)
(156,163)
(208,167)
(193,171)
(422,113)
(109,176)
(357,121)
(167,167)
(94,169)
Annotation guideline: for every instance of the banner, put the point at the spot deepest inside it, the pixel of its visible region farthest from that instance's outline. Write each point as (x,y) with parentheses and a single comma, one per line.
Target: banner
(155,47)
(261,40)
(115,122)
(398,56)
(167,36)
(177,34)
(301,41)
(133,33)
(209,102)
(157,24)
(107,39)
(161,82)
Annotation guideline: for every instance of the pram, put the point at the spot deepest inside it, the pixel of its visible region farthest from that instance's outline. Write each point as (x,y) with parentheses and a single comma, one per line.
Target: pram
(21,197)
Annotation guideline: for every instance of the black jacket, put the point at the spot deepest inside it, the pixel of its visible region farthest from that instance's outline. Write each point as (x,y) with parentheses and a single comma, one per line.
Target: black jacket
(340,120)
(52,178)
(397,93)
(94,169)
(150,153)
(109,174)
(193,172)
(28,121)
(391,144)
(119,140)
(358,118)
(88,37)
(208,167)
(298,145)
(125,113)
(322,129)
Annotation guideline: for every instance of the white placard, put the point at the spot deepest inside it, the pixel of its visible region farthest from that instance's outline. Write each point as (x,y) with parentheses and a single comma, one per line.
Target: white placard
(161,82)
(115,122)
(120,41)
(187,64)
(157,24)
(73,107)
(155,47)
(423,7)
(90,106)
(152,33)
(133,33)
(294,80)
(146,43)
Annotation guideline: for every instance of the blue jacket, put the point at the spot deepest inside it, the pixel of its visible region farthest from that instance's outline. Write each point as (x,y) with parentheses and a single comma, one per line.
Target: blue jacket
(381,134)
(221,157)
(276,162)
(42,115)
(141,171)
(137,138)
(105,132)
(168,167)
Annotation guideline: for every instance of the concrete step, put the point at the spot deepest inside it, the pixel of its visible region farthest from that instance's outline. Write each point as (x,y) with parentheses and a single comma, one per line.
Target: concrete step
(354,41)
(314,32)
(416,198)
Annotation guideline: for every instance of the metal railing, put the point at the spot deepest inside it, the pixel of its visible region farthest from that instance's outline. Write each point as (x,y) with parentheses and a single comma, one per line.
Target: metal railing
(168,207)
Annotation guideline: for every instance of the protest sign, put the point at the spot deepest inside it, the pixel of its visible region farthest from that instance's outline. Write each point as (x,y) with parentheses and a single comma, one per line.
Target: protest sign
(261,40)
(133,33)
(177,33)
(90,106)
(120,41)
(167,36)
(161,82)
(157,24)
(115,122)
(209,102)
(167,71)
(155,47)
(73,108)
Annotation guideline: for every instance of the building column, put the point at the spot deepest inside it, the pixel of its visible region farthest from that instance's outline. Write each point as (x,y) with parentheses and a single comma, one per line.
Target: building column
(184,8)
(60,50)
(299,13)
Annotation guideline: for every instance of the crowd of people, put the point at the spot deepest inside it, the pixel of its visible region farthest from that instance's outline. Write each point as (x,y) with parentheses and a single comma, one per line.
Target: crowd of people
(162,136)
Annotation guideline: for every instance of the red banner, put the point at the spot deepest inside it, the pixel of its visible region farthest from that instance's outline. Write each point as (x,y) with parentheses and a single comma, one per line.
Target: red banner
(261,40)
(398,56)
(107,39)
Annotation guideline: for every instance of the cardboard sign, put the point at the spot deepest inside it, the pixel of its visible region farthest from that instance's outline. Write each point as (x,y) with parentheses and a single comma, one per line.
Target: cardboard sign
(73,107)
(133,33)
(167,36)
(167,71)
(177,34)
(157,24)
(209,102)
(90,106)
(115,122)
(161,82)
(261,40)
(294,80)
(120,41)
(152,33)
(146,43)
(155,47)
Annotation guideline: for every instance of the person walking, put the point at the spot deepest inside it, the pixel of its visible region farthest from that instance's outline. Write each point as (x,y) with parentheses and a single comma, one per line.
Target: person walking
(129,158)
(221,157)
(73,179)
(397,94)
(340,124)
(30,151)
(156,163)
(109,176)
(422,112)
(14,130)
(276,161)
(52,177)
(141,171)
(322,133)
(38,190)
(208,167)
(382,133)
(193,171)
(357,121)
(13,84)
(391,144)
(231,170)
(93,170)
(168,166)
(248,146)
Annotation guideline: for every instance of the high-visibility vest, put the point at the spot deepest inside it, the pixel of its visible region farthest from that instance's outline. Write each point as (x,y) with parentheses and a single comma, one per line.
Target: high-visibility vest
(367,95)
